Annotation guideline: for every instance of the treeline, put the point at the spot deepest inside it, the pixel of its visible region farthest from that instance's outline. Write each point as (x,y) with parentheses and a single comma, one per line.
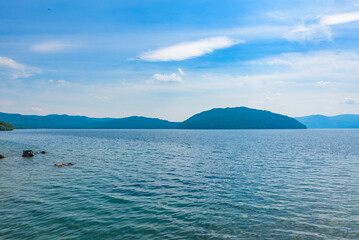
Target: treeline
(4,126)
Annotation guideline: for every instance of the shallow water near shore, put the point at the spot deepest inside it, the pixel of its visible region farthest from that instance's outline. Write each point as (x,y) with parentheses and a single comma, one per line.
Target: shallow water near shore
(180,184)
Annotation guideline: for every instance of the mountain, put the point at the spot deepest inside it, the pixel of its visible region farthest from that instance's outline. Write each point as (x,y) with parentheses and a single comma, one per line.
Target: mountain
(49,121)
(240,118)
(4,126)
(339,121)
(79,122)
(218,118)
(137,123)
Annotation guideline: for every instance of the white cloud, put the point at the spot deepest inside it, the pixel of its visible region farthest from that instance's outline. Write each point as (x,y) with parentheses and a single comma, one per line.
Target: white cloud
(340,18)
(293,75)
(319,31)
(7,62)
(167,78)
(322,83)
(17,70)
(309,33)
(329,70)
(36,109)
(180,71)
(50,47)
(326,63)
(277,15)
(103,98)
(348,101)
(59,83)
(186,50)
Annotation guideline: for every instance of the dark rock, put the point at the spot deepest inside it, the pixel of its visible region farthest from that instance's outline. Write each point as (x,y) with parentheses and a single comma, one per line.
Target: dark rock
(42,152)
(2,156)
(28,153)
(63,164)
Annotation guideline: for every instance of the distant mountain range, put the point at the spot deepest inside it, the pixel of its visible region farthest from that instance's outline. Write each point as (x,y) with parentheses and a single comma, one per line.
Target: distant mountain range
(339,121)
(218,118)
(80,122)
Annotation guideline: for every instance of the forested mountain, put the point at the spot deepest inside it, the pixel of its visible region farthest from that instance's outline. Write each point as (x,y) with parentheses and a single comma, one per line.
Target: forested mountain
(240,118)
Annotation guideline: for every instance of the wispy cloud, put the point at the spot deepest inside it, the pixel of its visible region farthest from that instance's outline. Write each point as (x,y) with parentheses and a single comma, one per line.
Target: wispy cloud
(58,83)
(348,101)
(323,84)
(180,71)
(186,50)
(36,109)
(325,63)
(266,88)
(7,62)
(61,83)
(167,78)
(320,30)
(15,69)
(98,97)
(339,18)
(309,33)
(51,47)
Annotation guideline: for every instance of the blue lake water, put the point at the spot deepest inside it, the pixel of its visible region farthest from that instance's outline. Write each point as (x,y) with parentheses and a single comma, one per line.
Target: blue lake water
(179,184)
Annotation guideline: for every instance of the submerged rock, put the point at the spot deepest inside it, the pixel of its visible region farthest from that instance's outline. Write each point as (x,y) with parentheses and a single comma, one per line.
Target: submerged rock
(63,164)
(42,152)
(28,153)
(2,156)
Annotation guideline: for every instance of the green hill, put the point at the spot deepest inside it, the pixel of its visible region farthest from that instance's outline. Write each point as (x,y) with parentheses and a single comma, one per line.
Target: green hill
(240,118)
(4,126)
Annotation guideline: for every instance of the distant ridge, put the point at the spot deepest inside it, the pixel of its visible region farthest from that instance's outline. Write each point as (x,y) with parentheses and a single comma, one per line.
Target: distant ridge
(339,121)
(54,121)
(217,118)
(137,123)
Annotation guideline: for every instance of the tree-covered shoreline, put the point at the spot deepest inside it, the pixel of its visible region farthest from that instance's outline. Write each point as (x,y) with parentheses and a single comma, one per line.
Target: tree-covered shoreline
(4,126)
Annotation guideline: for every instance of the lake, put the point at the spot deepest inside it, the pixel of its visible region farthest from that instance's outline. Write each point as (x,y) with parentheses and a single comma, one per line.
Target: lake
(180,184)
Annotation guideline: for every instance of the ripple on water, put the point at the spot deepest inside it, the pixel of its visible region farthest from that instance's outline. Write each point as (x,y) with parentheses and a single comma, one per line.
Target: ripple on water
(173,184)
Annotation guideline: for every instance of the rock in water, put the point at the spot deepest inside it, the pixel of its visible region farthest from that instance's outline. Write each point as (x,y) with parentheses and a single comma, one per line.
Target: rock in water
(28,153)
(63,164)
(2,156)
(42,152)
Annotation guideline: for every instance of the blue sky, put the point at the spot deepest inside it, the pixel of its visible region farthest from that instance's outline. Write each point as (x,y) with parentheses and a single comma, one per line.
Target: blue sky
(172,59)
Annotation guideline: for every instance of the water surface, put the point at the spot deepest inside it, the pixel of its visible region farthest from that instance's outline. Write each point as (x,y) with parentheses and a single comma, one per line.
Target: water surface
(180,184)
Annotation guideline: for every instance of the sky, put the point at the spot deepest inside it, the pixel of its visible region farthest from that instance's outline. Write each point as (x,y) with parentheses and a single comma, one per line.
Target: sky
(173,59)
